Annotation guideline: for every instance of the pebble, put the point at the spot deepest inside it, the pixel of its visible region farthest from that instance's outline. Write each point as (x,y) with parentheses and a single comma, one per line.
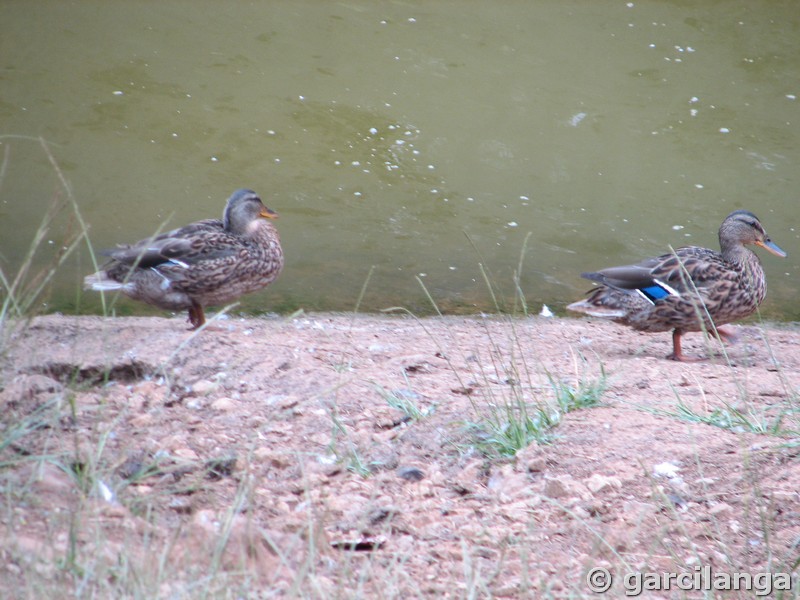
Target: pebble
(537,465)
(203,387)
(410,474)
(185,453)
(142,420)
(181,505)
(507,483)
(721,509)
(468,480)
(597,483)
(276,460)
(564,486)
(223,404)
(195,403)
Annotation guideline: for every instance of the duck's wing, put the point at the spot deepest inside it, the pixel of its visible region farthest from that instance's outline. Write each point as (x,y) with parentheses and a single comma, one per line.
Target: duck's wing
(188,245)
(667,275)
(625,277)
(691,268)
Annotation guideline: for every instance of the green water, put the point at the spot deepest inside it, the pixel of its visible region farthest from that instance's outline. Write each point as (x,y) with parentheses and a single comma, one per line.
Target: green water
(413,140)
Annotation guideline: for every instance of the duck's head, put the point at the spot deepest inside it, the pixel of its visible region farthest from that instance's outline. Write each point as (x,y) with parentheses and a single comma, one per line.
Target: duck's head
(243,210)
(742,227)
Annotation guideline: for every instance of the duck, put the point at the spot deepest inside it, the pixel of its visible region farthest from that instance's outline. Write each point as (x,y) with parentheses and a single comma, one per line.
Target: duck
(689,289)
(206,263)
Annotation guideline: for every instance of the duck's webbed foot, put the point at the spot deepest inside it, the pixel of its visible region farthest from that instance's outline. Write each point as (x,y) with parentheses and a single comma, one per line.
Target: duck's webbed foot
(727,335)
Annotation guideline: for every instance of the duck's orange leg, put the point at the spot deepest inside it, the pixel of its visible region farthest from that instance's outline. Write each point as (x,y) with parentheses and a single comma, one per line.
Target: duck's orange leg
(196,315)
(677,353)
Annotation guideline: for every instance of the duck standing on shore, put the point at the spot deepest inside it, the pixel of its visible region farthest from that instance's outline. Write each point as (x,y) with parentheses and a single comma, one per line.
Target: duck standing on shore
(690,289)
(206,263)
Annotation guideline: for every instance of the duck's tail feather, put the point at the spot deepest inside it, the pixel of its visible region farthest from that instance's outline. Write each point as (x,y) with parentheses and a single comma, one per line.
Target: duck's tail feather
(594,310)
(100,282)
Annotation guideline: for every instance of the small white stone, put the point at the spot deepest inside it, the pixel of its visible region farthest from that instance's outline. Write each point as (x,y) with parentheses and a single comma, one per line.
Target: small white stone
(666,469)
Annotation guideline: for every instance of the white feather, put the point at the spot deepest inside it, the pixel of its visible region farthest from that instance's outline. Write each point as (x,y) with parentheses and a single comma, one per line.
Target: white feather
(100,283)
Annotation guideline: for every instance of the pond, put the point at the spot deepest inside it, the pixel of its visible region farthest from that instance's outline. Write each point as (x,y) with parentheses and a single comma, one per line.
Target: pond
(469,153)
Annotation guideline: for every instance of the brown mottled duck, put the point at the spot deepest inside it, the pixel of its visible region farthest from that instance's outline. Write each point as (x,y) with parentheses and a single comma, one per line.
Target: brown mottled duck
(690,289)
(206,263)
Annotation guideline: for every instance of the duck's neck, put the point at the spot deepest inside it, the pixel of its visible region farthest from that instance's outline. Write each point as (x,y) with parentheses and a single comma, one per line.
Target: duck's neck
(261,229)
(738,254)
(747,264)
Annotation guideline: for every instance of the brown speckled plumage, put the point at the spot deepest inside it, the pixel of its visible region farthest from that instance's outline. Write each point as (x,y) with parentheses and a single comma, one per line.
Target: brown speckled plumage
(692,289)
(206,263)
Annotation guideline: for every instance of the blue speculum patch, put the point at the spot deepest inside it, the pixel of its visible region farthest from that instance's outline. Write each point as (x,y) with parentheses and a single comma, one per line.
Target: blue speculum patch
(654,292)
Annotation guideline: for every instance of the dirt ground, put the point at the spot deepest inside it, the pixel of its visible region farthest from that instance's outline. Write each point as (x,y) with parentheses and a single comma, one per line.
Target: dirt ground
(263,457)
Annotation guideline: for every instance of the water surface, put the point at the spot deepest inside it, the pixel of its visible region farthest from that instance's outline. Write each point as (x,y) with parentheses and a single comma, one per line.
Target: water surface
(415,141)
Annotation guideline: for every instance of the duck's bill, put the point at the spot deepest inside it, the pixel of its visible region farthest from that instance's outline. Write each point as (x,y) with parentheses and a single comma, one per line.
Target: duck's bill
(268,213)
(772,247)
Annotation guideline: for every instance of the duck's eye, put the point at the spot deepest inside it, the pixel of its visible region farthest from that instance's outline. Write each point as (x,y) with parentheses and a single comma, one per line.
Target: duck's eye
(754,225)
